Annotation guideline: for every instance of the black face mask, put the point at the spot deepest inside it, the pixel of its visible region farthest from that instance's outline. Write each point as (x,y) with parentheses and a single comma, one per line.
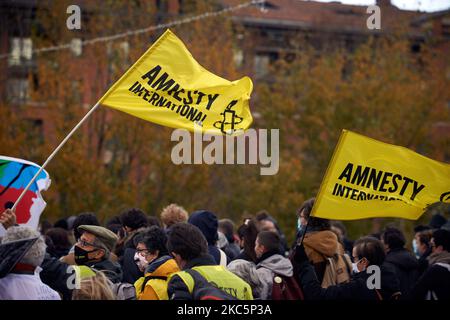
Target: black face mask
(81,256)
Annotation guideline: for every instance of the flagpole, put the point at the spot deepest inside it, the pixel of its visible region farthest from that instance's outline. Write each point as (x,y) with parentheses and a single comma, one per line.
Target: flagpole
(54,153)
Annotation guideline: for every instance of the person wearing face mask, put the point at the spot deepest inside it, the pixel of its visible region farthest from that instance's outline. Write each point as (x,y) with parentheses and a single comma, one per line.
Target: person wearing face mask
(367,251)
(154,260)
(92,251)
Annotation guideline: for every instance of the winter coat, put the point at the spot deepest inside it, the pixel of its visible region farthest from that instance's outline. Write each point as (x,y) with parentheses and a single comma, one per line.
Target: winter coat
(266,268)
(154,285)
(434,284)
(405,266)
(356,289)
(320,245)
(55,273)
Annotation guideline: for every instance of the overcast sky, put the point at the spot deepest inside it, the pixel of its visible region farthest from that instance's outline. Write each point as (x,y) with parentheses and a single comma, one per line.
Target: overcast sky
(422,5)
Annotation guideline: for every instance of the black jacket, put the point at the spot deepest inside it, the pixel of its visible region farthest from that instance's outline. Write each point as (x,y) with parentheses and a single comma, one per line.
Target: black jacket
(356,289)
(177,289)
(435,279)
(405,266)
(130,269)
(55,274)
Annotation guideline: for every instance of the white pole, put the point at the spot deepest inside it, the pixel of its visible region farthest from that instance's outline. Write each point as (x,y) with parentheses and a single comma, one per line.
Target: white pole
(54,153)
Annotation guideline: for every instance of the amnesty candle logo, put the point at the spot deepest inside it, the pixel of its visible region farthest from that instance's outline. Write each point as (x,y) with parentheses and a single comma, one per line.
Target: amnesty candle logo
(167,86)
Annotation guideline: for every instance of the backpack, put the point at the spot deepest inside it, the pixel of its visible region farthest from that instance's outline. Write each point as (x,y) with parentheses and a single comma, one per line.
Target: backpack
(205,290)
(124,291)
(337,270)
(286,288)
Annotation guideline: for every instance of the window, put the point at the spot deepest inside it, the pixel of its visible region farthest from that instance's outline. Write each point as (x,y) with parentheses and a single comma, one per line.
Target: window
(18,90)
(21,51)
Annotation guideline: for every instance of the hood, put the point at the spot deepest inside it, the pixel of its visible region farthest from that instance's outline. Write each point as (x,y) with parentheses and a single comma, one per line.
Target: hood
(208,224)
(162,267)
(402,258)
(278,264)
(443,257)
(325,242)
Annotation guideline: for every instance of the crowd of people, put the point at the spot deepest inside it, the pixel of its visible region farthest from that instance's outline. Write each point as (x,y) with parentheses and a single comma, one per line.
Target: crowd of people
(196,256)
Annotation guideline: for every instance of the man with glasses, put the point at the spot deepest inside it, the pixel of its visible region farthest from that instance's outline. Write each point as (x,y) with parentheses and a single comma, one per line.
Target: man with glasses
(91,252)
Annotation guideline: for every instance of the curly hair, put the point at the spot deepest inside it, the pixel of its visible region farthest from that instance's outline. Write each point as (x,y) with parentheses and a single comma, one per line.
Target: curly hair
(35,255)
(172,214)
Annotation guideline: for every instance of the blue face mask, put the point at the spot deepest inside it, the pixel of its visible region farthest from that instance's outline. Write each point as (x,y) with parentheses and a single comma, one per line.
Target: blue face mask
(415,249)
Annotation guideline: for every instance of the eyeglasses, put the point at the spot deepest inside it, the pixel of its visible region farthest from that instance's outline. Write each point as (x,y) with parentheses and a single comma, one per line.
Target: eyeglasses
(84,243)
(142,252)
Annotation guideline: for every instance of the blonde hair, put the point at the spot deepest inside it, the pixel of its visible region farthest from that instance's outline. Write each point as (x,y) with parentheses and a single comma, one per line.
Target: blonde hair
(172,214)
(98,287)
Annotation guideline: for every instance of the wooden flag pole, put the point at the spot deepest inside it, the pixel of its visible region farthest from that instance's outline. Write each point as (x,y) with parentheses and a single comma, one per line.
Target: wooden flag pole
(54,153)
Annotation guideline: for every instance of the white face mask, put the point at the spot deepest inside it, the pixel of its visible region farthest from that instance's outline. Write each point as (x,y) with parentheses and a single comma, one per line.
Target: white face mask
(140,261)
(415,249)
(355,266)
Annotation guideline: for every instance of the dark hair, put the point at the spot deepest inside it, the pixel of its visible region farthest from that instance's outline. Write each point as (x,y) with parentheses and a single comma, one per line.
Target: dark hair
(248,232)
(425,237)
(421,228)
(88,218)
(154,239)
(394,238)
(154,221)
(133,218)
(340,225)
(442,238)
(306,207)
(61,223)
(59,237)
(370,248)
(186,240)
(227,227)
(269,239)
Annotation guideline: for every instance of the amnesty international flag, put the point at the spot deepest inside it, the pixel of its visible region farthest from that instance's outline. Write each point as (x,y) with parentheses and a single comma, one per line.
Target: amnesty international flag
(167,86)
(367,178)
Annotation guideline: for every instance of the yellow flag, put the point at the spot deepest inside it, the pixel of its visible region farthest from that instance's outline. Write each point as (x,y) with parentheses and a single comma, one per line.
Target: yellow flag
(367,178)
(167,86)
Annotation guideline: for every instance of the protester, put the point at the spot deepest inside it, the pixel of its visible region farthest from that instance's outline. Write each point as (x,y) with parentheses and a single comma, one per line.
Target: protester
(60,243)
(208,224)
(85,218)
(188,246)
(133,221)
(404,264)
(268,223)
(154,260)
(23,282)
(172,214)
(247,233)
(270,262)
(367,252)
(226,226)
(92,251)
(423,248)
(331,264)
(339,228)
(96,287)
(434,284)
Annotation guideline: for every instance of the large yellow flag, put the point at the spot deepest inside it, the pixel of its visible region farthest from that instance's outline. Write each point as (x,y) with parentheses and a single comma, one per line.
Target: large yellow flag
(167,86)
(367,178)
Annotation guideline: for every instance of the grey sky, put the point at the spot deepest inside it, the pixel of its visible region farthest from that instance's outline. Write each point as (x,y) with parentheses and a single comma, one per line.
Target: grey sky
(422,5)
